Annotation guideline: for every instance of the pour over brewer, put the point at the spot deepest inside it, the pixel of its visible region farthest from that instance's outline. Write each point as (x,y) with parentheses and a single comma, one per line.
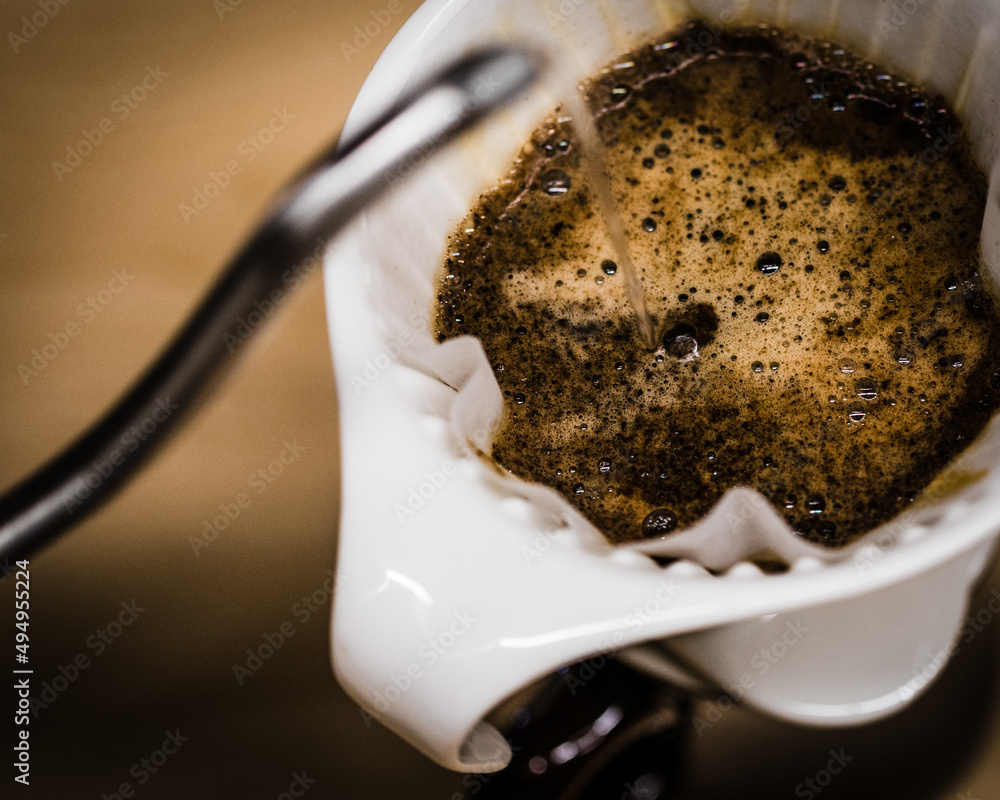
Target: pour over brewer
(431,534)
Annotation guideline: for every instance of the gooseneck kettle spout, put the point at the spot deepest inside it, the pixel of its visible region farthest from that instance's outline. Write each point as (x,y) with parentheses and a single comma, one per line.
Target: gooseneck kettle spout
(313,209)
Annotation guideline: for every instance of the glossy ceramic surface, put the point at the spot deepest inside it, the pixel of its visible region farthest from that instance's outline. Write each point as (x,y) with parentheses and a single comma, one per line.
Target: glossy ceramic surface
(458,585)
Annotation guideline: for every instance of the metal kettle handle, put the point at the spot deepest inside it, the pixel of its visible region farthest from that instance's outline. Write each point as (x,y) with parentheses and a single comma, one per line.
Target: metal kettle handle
(314,208)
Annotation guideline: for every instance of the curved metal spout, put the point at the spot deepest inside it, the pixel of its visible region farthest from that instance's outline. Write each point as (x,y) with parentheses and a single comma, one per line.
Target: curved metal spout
(314,208)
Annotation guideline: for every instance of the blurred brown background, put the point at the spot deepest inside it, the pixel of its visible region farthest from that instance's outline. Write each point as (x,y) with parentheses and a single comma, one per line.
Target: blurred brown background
(215,74)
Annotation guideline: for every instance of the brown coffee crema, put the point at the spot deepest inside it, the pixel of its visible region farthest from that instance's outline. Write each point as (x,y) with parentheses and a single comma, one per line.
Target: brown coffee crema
(806,228)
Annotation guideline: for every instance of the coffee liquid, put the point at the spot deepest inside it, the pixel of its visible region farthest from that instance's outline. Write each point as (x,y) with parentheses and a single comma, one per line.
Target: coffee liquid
(806,230)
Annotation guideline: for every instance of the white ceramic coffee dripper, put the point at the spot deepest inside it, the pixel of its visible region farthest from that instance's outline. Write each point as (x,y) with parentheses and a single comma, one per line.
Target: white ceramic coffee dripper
(458,585)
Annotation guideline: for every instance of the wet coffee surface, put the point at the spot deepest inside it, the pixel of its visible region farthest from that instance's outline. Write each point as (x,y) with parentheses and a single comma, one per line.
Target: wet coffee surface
(806,229)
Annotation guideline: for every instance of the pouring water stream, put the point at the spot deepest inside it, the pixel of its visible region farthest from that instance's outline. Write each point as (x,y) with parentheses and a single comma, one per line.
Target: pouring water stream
(595,167)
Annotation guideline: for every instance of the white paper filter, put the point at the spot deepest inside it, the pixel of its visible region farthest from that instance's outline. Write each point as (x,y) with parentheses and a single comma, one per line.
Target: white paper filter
(942,45)
(409,407)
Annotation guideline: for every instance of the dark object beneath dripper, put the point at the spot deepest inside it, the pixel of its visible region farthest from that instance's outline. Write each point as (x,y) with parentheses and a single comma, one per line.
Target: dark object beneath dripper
(594,730)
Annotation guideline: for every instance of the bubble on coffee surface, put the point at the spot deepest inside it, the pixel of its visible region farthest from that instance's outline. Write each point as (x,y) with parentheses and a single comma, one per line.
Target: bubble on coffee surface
(824,335)
(555,182)
(658,523)
(769,263)
(904,356)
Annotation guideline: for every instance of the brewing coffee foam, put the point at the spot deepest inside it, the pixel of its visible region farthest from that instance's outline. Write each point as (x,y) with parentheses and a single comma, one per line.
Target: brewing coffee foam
(806,229)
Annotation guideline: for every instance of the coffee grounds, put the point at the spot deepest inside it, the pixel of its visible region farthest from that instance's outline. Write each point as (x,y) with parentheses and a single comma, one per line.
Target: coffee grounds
(806,228)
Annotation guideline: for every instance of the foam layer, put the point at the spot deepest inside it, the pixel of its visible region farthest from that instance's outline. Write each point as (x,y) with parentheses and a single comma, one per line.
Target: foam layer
(806,230)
